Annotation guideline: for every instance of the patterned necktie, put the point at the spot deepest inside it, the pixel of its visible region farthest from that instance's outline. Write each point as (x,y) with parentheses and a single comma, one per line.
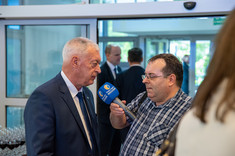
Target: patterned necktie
(86,118)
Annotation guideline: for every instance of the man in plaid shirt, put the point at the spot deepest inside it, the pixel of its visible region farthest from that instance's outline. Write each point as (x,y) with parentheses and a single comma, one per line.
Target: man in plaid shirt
(156,116)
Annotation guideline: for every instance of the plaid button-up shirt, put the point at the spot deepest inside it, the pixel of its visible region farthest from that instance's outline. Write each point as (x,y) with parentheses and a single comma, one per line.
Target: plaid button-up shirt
(153,123)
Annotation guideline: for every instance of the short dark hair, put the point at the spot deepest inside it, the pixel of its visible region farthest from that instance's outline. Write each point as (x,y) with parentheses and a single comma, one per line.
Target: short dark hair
(135,55)
(173,66)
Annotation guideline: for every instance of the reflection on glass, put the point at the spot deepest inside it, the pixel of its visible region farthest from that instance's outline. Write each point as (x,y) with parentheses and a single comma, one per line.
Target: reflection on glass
(34,55)
(15,116)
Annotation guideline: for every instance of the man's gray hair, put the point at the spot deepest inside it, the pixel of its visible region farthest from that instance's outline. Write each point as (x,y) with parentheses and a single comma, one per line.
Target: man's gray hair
(77,45)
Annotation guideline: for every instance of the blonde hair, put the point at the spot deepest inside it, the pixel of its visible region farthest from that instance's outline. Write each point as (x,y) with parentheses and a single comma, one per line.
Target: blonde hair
(222,66)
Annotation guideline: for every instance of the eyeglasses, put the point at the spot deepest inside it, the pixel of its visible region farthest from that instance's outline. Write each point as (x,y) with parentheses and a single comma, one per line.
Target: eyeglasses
(150,76)
(94,64)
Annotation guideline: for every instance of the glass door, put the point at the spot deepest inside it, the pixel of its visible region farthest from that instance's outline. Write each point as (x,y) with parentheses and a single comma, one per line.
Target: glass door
(203,56)
(155,46)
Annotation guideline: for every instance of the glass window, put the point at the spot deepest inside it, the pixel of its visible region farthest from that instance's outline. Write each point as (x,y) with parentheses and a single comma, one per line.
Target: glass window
(107,28)
(15,116)
(112,28)
(13,68)
(155,46)
(179,48)
(13,2)
(34,55)
(202,60)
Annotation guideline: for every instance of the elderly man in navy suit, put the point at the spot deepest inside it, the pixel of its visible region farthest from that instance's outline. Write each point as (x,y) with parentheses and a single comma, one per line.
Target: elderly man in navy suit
(59,115)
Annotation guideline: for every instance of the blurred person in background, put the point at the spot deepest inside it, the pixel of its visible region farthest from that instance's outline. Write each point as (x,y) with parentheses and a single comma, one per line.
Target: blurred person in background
(185,83)
(110,137)
(129,82)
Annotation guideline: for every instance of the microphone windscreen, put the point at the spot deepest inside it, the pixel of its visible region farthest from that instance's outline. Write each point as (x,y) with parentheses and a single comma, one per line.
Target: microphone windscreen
(107,92)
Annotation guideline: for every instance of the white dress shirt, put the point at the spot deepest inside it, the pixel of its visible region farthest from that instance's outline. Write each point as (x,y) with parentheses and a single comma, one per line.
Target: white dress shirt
(73,91)
(112,67)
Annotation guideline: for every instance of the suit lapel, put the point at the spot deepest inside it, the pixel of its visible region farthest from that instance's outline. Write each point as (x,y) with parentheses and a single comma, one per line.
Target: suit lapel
(66,96)
(109,71)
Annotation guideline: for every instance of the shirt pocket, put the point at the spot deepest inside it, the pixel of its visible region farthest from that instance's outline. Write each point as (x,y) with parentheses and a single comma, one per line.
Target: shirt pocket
(157,134)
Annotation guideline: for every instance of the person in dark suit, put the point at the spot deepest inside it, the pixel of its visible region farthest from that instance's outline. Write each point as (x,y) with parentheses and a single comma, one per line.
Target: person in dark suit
(110,137)
(129,82)
(55,122)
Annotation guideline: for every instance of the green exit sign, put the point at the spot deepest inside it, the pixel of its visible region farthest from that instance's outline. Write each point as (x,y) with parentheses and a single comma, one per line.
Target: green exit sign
(219,20)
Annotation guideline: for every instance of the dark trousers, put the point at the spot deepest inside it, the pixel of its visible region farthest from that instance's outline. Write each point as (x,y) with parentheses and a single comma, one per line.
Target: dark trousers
(110,139)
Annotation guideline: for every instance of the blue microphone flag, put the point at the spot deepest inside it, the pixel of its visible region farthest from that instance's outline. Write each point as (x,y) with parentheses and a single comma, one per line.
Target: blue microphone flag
(107,92)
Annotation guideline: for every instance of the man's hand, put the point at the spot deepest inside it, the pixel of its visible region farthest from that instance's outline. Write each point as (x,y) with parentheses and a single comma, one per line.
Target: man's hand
(117,116)
(116,110)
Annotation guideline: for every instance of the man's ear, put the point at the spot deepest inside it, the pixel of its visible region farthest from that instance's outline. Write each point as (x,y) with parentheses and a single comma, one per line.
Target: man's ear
(75,61)
(172,79)
(128,59)
(107,55)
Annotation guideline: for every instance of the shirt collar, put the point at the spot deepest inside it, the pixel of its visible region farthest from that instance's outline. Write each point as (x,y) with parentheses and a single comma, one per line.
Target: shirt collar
(73,90)
(134,65)
(111,66)
(172,101)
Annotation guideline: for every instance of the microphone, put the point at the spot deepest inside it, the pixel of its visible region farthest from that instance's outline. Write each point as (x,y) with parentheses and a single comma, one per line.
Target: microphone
(108,93)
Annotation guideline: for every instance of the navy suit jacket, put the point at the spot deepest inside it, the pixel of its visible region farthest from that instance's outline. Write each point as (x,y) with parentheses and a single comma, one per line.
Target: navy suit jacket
(103,109)
(52,123)
(129,83)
